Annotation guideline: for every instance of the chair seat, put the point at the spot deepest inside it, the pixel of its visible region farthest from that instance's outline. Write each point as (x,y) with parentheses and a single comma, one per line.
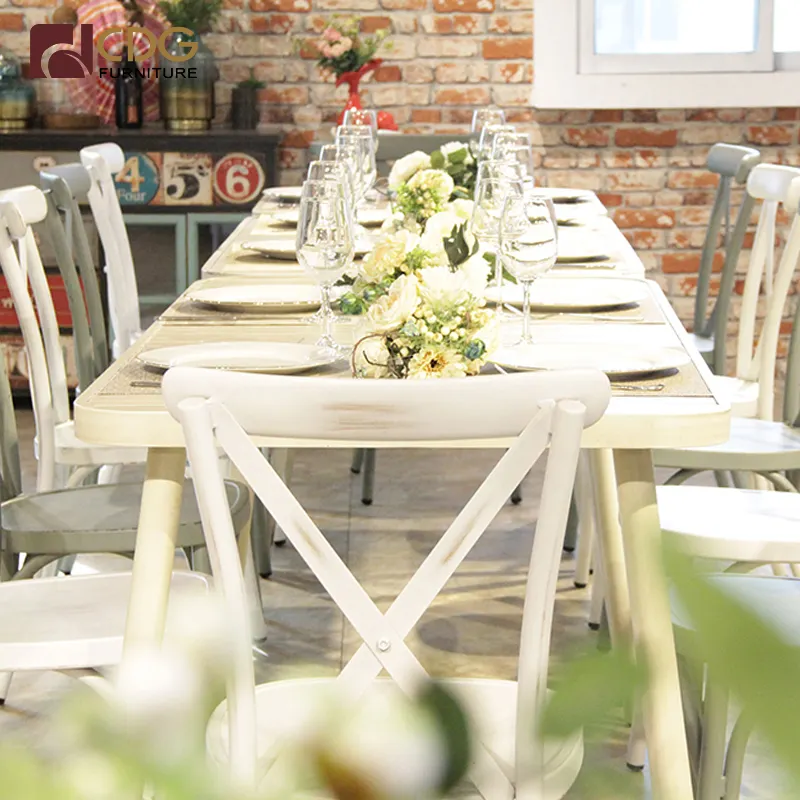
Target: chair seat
(104,518)
(75,452)
(774,600)
(69,623)
(704,345)
(741,394)
(732,524)
(490,704)
(754,444)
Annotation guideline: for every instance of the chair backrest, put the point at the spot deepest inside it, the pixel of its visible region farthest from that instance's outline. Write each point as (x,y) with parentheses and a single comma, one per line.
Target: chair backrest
(791,388)
(10,466)
(533,411)
(19,260)
(733,163)
(774,185)
(65,186)
(102,161)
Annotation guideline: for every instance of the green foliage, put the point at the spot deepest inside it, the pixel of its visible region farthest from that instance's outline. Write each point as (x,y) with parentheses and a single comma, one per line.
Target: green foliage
(198,16)
(361,51)
(456,247)
(251,82)
(454,730)
(461,167)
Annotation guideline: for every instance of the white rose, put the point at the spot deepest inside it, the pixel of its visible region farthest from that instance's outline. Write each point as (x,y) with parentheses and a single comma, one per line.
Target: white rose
(372,358)
(387,255)
(463,209)
(438,227)
(476,271)
(390,311)
(407,166)
(441,287)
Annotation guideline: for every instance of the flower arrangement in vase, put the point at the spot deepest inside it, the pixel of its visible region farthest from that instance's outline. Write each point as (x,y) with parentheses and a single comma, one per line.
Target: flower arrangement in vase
(345,53)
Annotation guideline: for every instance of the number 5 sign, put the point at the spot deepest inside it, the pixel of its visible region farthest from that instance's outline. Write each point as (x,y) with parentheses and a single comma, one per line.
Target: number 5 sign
(238,178)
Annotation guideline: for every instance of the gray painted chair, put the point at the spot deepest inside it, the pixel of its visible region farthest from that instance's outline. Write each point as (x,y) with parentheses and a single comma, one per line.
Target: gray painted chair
(733,164)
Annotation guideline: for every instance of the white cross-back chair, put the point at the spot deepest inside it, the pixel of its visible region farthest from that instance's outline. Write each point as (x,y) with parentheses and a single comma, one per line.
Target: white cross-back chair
(103,161)
(530,411)
(751,390)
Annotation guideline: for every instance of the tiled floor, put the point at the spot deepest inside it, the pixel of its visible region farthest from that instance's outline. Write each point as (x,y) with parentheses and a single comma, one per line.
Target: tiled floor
(472,628)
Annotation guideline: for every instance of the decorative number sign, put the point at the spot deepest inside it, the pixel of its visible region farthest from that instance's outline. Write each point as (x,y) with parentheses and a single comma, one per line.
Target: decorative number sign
(138,181)
(238,178)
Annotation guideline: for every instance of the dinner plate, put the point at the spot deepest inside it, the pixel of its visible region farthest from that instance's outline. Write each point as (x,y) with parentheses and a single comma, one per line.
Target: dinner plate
(263,297)
(285,250)
(569,253)
(574,294)
(274,357)
(367,216)
(616,360)
(285,194)
(566,196)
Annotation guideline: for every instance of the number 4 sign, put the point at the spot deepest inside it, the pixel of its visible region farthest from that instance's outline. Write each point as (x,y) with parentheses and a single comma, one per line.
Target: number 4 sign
(238,178)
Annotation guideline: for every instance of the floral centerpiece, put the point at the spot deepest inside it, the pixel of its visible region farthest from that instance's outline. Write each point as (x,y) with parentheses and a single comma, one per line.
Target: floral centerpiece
(453,160)
(344,52)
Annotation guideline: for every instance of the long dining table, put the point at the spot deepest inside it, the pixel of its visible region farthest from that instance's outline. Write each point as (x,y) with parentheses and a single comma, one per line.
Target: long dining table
(124,407)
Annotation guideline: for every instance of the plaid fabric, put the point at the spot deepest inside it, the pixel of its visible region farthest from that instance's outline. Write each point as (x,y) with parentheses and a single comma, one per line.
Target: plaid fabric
(95,94)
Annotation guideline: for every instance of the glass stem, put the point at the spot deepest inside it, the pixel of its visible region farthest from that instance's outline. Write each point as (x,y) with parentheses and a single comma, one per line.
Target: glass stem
(327,312)
(498,275)
(526,313)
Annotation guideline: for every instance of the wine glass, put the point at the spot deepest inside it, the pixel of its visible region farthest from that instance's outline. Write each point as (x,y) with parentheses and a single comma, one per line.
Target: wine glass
(500,170)
(361,116)
(361,137)
(336,171)
(480,119)
(487,139)
(528,247)
(514,146)
(325,245)
(490,200)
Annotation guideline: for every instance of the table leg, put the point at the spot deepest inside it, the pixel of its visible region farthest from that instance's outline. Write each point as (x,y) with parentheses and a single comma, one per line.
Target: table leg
(652,626)
(609,539)
(156,537)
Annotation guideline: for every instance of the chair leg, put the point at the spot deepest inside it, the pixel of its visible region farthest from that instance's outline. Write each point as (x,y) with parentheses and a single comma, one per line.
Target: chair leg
(5,685)
(199,560)
(584,502)
(598,595)
(262,528)
(571,534)
(282,461)
(358,460)
(516,495)
(368,478)
(734,760)
(637,744)
(712,749)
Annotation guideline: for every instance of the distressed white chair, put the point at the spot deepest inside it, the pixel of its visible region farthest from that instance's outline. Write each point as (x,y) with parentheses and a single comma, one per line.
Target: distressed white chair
(760,444)
(103,161)
(102,518)
(538,411)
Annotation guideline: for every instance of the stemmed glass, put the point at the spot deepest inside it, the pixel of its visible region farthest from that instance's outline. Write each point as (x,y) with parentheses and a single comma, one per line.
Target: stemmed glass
(361,116)
(490,200)
(480,119)
(528,247)
(499,170)
(487,139)
(514,146)
(325,245)
(336,171)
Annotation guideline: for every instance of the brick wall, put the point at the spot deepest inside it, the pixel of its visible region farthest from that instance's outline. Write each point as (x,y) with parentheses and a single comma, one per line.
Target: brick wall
(448,57)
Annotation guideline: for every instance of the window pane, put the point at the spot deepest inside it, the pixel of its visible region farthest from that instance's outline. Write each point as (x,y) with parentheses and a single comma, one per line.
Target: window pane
(787,26)
(678,26)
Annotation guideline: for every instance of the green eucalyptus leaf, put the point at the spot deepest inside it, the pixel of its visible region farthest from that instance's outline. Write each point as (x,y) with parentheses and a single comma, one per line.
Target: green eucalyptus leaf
(458,156)
(437,160)
(456,247)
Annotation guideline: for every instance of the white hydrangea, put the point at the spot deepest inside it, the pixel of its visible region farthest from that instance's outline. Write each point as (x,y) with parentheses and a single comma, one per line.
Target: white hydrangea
(407,166)
(441,287)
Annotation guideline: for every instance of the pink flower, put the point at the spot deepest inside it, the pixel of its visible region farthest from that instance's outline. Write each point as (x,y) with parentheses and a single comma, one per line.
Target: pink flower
(340,48)
(326,50)
(331,35)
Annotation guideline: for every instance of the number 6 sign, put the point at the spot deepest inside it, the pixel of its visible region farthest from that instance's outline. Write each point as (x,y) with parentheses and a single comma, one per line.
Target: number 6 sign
(238,178)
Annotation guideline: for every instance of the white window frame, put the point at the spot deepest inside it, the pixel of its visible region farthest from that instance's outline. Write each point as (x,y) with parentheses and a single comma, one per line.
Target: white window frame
(568,74)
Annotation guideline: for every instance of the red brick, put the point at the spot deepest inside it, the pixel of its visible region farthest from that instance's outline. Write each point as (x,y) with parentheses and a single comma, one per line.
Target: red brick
(388,74)
(521,47)
(677,263)
(698,198)
(476,6)
(280,5)
(640,180)
(699,179)
(646,137)
(644,218)
(702,115)
(645,240)
(426,115)
(608,115)
(297,139)
(587,137)
(641,115)
(405,5)
(372,24)
(787,114)
(288,95)
(462,97)
(273,23)
(769,134)
(610,200)
(511,23)
(12,21)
